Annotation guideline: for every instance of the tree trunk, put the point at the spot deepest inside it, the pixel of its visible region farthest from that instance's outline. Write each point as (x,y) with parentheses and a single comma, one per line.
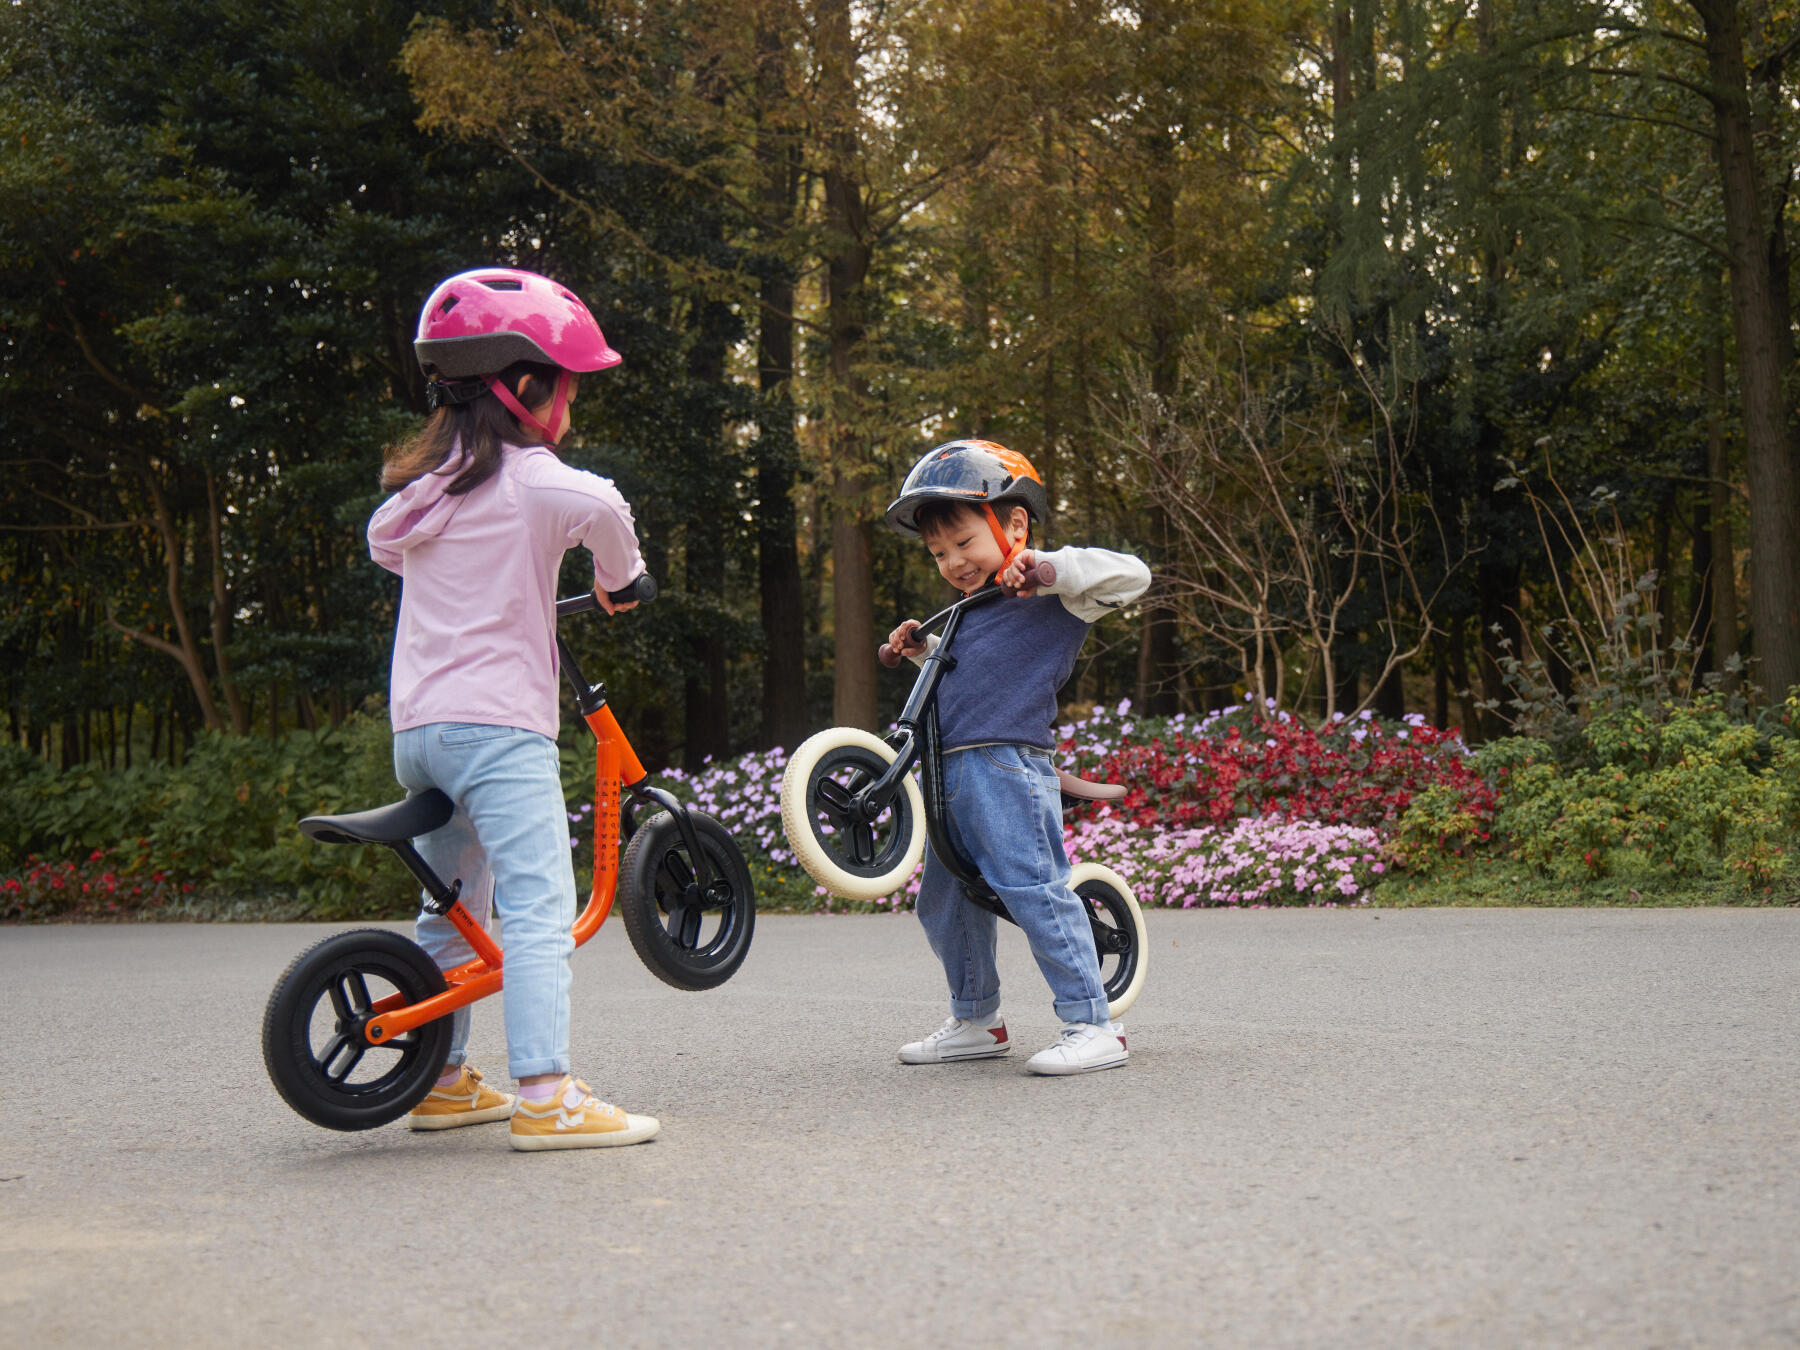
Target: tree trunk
(707,695)
(185,651)
(1440,683)
(1722,574)
(1497,585)
(1765,355)
(1455,645)
(784,715)
(847,265)
(1158,674)
(221,612)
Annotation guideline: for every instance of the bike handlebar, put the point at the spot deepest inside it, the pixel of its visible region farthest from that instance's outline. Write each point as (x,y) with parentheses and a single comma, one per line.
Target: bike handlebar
(640,590)
(1042,574)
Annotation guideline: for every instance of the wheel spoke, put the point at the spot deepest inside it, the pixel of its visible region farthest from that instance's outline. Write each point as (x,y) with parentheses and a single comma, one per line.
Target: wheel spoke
(676,868)
(691,919)
(837,799)
(356,991)
(678,924)
(350,1053)
(330,1052)
(1108,939)
(862,843)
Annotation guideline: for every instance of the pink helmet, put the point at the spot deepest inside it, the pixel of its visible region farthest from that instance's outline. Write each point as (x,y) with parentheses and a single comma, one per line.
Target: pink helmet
(480,322)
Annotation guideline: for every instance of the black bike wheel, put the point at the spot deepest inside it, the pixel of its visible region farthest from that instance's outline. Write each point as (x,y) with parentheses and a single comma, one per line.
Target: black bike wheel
(691,938)
(313,1043)
(1119,938)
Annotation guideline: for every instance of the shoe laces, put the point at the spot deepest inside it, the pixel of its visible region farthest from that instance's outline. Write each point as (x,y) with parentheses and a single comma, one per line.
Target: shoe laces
(950,1028)
(1078,1033)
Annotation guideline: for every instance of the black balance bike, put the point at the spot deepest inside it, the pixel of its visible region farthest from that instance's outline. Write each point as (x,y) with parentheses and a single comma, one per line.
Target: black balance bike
(357,1028)
(858,822)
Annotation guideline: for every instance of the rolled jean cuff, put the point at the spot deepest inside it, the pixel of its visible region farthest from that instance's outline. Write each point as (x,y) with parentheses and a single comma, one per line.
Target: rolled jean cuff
(1091,1011)
(526,1068)
(974,1009)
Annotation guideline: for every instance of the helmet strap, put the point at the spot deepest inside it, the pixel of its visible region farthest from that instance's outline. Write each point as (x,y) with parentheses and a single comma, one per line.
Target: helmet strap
(1008,549)
(558,408)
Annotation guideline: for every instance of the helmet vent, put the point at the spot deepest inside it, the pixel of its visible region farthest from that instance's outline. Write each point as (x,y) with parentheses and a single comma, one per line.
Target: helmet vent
(450,302)
(502,284)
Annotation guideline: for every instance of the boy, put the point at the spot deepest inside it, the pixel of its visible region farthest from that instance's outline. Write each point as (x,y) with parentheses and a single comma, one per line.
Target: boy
(972,503)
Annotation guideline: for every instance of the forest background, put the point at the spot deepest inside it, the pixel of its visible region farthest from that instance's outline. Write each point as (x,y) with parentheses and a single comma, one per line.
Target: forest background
(1438,356)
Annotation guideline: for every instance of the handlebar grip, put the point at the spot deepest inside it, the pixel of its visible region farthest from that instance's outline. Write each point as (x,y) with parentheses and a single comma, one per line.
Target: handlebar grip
(1039,574)
(644,588)
(889,657)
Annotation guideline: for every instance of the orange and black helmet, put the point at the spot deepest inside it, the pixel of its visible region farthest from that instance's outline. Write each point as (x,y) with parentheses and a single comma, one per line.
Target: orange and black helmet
(975,473)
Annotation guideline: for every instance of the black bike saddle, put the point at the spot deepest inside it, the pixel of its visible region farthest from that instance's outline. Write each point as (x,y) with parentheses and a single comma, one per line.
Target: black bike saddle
(419,814)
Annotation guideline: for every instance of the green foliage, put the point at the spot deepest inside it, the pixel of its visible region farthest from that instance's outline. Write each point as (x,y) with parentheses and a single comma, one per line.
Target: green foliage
(1689,787)
(1437,834)
(224,821)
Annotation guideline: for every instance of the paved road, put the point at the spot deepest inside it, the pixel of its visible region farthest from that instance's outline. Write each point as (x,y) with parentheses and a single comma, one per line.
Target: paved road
(1337,1128)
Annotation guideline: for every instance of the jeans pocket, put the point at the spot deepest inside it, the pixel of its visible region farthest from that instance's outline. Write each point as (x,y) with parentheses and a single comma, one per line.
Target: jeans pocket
(1000,761)
(472,733)
(952,775)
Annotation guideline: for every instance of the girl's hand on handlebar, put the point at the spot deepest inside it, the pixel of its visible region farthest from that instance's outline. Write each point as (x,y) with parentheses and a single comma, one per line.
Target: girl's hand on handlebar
(610,605)
(903,641)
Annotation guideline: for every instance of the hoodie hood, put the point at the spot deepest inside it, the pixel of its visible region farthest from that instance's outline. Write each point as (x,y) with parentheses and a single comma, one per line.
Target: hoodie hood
(418,512)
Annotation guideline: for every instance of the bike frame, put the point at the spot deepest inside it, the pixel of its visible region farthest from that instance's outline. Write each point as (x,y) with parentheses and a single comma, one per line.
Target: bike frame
(915,741)
(617,772)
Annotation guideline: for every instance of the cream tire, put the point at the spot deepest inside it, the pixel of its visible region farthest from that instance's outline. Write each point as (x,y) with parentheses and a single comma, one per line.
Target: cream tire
(897,840)
(1123,910)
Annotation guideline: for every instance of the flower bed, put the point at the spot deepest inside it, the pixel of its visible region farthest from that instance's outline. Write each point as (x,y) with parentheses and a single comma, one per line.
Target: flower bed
(100,886)
(1248,761)
(1254,863)
(1215,815)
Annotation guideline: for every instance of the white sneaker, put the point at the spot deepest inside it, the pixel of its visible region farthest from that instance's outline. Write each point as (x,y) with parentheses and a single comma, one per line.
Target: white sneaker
(1082,1048)
(960,1038)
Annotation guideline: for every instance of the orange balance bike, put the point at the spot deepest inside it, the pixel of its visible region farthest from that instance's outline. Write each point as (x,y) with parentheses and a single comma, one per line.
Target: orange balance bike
(358,1027)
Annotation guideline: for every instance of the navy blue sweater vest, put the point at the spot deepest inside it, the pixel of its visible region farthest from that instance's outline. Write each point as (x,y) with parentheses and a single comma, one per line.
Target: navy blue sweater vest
(1012,655)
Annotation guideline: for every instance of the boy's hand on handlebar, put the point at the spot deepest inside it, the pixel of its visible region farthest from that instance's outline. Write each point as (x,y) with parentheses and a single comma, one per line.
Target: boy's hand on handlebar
(1019,577)
(903,641)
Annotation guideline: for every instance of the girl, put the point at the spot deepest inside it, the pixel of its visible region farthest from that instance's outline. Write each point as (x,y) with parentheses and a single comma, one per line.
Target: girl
(481,515)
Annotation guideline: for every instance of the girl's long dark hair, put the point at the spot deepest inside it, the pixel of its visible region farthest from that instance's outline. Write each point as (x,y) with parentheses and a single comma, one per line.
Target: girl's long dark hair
(477,428)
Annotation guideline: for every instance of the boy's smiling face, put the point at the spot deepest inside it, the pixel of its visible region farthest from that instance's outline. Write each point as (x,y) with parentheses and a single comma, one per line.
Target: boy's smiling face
(965,549)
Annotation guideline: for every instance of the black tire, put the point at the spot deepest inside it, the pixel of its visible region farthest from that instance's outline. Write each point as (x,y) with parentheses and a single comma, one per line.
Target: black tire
(690,940)
(312,1031)
(1120,939)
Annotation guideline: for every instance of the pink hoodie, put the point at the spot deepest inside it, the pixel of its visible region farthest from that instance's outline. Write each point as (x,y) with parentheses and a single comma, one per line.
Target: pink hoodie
(476,640)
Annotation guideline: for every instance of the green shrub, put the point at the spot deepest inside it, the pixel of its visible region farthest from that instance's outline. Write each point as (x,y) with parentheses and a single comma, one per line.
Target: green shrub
(224,820)
(1437,834)
(1693,788)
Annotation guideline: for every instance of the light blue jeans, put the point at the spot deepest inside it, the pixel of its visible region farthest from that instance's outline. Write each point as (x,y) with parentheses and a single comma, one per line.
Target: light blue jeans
(509,844)
(1006,817)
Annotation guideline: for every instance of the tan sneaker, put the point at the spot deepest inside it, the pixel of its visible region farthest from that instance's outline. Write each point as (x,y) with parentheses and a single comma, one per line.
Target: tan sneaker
(575,1118)
(464,1102)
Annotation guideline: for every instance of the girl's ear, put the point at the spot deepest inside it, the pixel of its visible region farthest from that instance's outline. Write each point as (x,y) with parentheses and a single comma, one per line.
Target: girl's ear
(1021,521)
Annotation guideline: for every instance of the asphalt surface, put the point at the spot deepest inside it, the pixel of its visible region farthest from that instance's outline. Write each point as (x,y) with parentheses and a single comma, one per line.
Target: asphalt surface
(1428,1128)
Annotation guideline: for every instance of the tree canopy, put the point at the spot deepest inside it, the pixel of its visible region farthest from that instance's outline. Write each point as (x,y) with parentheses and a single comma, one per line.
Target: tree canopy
(1465,292)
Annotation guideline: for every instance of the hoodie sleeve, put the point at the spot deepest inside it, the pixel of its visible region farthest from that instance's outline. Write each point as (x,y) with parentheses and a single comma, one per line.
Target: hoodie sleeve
(584,508)
(1093,582)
